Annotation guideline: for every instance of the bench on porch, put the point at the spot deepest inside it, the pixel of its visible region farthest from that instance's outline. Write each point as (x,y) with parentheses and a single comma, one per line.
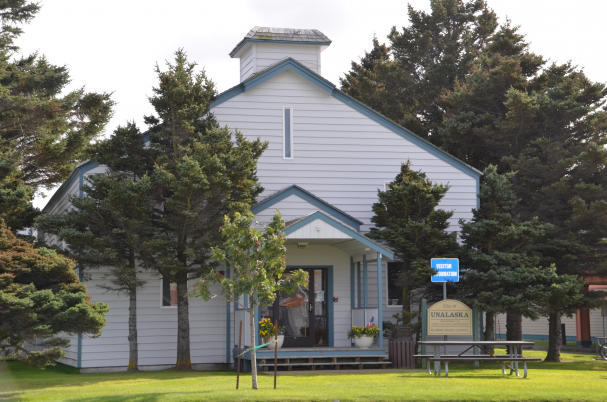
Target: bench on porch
(312,362)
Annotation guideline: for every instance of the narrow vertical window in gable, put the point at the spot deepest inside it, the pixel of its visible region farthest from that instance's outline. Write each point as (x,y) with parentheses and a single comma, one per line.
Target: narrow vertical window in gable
(287,143)
(169,293)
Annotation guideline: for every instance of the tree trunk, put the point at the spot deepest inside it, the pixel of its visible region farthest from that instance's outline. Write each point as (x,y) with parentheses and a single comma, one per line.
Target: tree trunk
(133,348)
(490,331)
(406,301)
(183,324)
(253,353)
(554,337)
(514,327)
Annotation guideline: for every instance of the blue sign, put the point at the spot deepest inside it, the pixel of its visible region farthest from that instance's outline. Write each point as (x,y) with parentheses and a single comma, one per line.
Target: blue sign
(448,269)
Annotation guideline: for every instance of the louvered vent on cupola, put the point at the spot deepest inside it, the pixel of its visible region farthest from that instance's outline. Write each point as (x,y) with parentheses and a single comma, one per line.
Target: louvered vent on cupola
(263,47)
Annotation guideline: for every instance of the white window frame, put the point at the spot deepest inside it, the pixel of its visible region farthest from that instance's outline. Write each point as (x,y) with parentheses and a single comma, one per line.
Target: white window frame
(162,295)
(284,132)
(386,283)
(386,185)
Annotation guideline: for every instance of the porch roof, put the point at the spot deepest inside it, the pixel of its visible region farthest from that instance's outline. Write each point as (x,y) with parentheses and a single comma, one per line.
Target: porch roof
(318,228)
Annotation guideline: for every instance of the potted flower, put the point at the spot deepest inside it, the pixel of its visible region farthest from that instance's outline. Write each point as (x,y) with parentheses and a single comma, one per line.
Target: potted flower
(267,332)
(363,336)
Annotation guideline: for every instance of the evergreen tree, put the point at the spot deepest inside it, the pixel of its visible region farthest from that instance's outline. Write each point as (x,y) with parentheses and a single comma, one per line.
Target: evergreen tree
(201,174)
(404,79)
(557,295)
(110,223)
(408,221)
(548,124)
(497,263)
(40,297)
(473,129)
(44,129)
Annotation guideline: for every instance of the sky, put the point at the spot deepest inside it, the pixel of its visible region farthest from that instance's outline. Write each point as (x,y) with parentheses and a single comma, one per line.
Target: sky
(114,45)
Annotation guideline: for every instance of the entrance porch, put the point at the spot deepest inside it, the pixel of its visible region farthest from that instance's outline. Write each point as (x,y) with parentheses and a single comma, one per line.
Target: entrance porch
(346,279)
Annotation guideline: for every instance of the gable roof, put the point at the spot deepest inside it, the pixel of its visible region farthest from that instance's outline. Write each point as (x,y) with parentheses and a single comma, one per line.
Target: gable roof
(76,175)
(311,199)
(282,35)
(327,86)
(296,224)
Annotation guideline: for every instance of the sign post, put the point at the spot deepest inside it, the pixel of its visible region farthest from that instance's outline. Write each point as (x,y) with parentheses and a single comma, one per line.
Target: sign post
(447,271)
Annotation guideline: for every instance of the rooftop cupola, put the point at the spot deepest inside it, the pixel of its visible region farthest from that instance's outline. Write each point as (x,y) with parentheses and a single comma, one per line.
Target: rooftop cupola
(263,47)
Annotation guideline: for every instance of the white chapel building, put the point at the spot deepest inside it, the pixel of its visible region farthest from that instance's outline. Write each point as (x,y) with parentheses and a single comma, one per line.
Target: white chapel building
(328,156)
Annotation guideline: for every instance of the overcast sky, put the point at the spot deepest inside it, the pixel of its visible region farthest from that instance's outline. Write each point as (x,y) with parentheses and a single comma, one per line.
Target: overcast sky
(113,45)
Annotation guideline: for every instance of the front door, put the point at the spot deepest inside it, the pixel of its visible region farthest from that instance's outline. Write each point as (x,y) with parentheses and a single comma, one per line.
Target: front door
(302,313)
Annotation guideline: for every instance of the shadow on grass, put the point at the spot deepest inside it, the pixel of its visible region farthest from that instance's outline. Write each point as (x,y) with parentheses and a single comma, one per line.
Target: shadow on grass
(155,396)
(35,378)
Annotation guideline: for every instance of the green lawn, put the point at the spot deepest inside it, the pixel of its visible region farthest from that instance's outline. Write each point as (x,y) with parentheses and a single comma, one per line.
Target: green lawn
(578,379)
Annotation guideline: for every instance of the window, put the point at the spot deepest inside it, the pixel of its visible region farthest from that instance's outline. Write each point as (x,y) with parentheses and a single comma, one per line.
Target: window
(287,130)
(395,288)
(169,293)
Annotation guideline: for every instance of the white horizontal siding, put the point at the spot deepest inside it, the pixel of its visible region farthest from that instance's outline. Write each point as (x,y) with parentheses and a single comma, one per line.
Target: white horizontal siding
(268,54)
(339,154)
(318,230)
(157,328)
(247,65)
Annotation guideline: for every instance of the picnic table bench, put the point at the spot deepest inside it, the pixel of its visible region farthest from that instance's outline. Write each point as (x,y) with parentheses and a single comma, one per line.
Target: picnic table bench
(513,357)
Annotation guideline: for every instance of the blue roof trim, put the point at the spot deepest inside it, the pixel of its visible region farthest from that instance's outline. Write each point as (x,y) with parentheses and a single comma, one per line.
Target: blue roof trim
(310,198)
(77,174)
(339,226)
(244,42)
(296,67)
(227,95)
(327,86)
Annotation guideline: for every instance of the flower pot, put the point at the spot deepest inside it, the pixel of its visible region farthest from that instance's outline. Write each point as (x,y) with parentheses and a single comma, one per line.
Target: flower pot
(363,342)
(270,342)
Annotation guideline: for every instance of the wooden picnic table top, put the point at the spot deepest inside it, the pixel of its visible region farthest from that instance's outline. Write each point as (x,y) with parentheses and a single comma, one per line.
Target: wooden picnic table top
(480,343)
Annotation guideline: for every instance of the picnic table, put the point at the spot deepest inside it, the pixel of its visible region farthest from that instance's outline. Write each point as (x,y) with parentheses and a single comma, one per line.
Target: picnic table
(513,357)
(601,346)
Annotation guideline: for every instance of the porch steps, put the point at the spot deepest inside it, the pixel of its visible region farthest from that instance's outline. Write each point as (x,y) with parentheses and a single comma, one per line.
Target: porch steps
(325,361)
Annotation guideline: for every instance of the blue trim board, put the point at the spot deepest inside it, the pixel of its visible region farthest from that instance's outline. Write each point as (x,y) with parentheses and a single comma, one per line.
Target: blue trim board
(77,174)
(358,287)
(352,283)
(257,318)
(330,316)
(288,42)
(380,297)
(339,226)
(309,198)
(331,89)
(365,282)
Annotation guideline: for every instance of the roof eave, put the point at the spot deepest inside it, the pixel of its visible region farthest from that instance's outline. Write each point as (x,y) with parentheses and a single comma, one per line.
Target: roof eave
(245,41)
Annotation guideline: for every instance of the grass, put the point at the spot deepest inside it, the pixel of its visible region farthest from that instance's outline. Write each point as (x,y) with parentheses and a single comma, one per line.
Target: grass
(579,378)
(541,343)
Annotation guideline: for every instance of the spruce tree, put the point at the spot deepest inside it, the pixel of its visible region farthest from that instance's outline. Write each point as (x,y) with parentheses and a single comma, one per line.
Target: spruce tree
(497,261)
(404,79)
(45,130)
(548,124)
(407,219)
(201,173)
(110,223)
(40,298)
